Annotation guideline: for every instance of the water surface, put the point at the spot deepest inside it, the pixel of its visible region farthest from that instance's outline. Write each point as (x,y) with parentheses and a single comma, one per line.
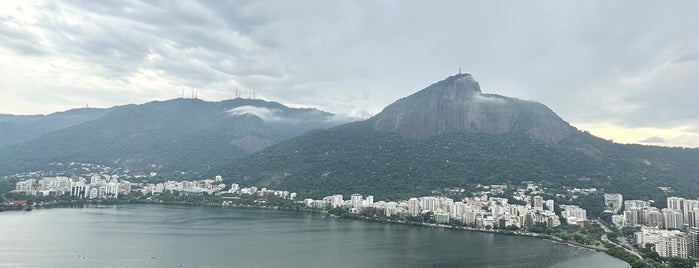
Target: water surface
(171,236)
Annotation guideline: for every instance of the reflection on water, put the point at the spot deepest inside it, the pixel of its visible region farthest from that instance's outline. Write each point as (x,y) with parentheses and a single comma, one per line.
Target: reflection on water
(167,236)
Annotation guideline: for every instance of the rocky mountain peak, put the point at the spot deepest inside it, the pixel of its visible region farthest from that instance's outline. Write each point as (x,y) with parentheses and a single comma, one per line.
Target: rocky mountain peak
(457,87)
(457,105)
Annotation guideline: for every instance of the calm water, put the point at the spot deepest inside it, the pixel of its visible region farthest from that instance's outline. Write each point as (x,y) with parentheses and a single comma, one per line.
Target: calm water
(166,236)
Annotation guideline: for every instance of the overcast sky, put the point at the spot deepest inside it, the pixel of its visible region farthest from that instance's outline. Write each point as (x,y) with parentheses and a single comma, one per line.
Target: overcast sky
(624,70)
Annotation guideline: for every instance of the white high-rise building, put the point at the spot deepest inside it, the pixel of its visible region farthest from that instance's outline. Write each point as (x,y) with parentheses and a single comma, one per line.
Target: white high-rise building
(445,204)
(689,205)
(672,219)
(635,204)
(112,190)
(692,219)
(667,243)
(457,210)
(78,189)
(676,203)
(613,202)
(428,203)
(414,207)
(369,199)
(356,200)
(573,214)
(469,216)
(538,202)
(336,200)
(673,245)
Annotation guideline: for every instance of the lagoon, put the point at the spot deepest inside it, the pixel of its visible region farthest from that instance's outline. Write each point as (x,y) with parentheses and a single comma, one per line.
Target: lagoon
(174,236)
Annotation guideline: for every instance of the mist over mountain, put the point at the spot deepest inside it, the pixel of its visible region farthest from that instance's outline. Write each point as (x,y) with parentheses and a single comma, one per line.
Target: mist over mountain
(450,134)
(175,135)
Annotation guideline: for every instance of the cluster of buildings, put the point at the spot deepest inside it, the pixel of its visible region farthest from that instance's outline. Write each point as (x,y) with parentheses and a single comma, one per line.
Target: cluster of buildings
(99,186)
(210,186)
(672,231)
(260,192)
(670,243)
(480,210)
(680,214)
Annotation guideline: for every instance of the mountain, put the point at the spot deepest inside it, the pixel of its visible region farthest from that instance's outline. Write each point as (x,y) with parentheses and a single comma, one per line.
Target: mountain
(457,105)
(176,135)
(450,134)
(16,129)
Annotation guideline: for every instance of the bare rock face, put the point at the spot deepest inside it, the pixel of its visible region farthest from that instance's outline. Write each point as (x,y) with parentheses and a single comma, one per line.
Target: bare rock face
(457,105)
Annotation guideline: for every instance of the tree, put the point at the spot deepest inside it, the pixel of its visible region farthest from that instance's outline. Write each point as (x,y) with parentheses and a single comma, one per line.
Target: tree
(681,263)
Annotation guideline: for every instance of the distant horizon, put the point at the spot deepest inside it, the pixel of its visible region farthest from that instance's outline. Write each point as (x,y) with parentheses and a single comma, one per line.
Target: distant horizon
(282,103)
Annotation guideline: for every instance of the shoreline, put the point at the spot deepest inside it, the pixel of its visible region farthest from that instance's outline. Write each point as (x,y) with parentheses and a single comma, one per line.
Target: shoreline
(328,215)
(494,231)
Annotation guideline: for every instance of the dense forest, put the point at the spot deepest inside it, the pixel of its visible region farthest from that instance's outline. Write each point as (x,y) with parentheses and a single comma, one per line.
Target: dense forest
(354,158)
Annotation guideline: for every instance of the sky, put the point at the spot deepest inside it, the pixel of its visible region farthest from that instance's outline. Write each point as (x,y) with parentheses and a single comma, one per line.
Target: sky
(624,70)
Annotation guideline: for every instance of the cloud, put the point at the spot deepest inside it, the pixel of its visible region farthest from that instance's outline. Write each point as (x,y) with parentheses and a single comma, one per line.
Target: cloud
(653,140)
(687,58)
(355,58)
(261,112)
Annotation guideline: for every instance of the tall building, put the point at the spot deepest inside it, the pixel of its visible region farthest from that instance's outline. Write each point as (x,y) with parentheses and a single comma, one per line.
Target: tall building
(636,204)
(676,203)
(78,189)
(692,220)
(336,200)
(689,205)
(428,203)
(672,245)
(613,202)
(413,207)
(445,203)
(694,241)
(673,219)
(469,216)
(457,209)
(112,189)
(356,201)
(25,185)
(573,214)
(369,199)
(538,202)
(550,204)
(653,217)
